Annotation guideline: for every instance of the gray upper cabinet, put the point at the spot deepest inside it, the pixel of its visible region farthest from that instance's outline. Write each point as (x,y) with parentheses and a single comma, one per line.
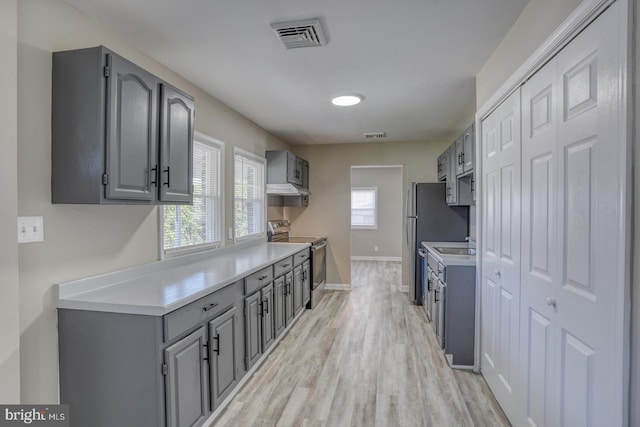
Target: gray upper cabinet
(459,156)
(305,174)
(468,151)
(118,132)
(132,114)
(284,167)
(452,181)
(456,168)
(187,383)
(176,145)
(443,165)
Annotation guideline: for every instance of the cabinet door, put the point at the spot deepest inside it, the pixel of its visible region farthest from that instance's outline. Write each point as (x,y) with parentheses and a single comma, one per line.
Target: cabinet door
(500,279)
(186,385)
(452,180)
(268,333)
(253,329)
(279,297)
(468,149)
(223,348)
(306,282)
(292,168)
(175,176)
(297,289)
(459,155)
(288,300)
(131,137)
(305,174)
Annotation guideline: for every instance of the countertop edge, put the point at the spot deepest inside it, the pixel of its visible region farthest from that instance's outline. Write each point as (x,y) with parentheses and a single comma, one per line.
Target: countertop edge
(78,294)
(451,260)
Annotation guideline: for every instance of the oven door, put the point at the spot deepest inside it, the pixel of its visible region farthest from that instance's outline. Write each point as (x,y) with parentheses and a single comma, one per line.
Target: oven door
(319,257)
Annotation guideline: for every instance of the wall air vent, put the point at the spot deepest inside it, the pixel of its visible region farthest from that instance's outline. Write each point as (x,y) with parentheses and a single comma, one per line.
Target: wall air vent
(294,34)
(375,135)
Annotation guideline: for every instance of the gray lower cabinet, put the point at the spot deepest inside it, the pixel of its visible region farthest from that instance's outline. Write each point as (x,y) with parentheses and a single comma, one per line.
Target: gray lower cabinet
(288,298)
(279,297)
(119,134)
(151,371)
(268,330)
(225,355)
(187,385)
(298,281)
(306,282)
(253,329)
(459,313)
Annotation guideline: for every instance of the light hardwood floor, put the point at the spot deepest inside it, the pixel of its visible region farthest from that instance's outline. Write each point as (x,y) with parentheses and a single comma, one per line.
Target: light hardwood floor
(365,357)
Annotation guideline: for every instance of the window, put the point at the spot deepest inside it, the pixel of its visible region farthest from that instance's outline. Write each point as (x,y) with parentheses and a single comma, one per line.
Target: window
(249,208)
(364,208)
(198,226)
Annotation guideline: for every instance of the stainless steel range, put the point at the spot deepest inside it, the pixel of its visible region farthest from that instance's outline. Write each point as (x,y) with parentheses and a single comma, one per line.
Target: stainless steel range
(278,231)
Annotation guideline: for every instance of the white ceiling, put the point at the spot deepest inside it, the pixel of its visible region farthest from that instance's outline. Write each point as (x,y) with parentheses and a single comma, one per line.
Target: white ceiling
(414,61)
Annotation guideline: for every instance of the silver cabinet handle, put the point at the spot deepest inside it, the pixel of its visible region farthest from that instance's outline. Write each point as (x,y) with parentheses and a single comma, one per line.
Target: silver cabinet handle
(552,302)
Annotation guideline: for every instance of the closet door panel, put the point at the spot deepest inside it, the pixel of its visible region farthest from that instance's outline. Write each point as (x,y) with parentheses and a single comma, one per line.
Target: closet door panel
(592,176)
(539,242)
(501,251)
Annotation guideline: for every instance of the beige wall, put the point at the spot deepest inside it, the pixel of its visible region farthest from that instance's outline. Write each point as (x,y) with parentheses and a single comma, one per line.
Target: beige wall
(83,240)
(329,207)
(536,22)
(388,236)
(9,297)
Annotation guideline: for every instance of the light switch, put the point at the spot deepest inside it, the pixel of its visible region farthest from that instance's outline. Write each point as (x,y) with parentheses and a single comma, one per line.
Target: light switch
(30,229)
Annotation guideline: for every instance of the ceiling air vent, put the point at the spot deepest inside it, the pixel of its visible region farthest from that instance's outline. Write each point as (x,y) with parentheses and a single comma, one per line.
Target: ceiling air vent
(294,34)
(375,135)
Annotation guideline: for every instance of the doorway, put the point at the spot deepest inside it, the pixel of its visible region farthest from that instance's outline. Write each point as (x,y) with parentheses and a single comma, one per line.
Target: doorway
(376,216)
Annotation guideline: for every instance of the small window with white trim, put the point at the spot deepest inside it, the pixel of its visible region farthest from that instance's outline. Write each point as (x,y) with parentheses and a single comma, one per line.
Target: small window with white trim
(249,196)
(364,208)
(188,228)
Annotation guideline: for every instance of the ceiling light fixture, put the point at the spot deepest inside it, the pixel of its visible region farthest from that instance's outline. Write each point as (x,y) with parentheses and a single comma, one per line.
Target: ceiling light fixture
(346,100)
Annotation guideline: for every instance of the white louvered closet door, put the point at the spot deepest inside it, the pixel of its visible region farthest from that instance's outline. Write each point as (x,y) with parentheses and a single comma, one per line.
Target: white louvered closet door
(501,251)
(573,251)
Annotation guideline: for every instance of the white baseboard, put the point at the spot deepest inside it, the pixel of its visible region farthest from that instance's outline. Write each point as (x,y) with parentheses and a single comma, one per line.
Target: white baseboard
(376,258)
(337,287)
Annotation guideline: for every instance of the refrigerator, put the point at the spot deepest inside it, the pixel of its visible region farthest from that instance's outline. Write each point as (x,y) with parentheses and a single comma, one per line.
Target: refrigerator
(430,219)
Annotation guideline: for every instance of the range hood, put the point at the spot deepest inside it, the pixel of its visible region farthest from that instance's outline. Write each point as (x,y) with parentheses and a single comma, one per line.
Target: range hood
(286,190)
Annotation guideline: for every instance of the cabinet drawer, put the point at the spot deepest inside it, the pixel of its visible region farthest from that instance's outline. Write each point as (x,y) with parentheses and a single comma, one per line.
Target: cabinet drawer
(300,257)
(257,280)
(283,266)
(183,319)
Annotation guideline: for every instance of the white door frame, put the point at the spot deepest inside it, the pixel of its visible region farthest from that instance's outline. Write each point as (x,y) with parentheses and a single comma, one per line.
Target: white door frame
(584,14)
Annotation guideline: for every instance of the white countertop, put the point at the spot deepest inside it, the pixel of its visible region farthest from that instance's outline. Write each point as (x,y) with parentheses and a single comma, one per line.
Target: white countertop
(161,287)
(450,259)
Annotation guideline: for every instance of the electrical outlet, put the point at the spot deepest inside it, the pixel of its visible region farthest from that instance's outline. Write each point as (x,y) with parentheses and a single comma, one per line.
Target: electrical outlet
(30,229)
(375,249)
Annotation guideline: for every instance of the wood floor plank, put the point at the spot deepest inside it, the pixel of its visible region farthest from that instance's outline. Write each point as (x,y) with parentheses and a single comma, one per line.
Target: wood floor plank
(365,357)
